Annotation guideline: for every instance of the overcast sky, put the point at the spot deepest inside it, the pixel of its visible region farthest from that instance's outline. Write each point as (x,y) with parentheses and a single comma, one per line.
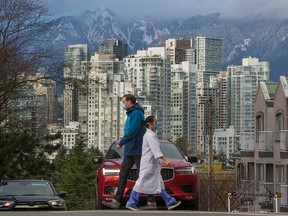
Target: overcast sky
(126,9)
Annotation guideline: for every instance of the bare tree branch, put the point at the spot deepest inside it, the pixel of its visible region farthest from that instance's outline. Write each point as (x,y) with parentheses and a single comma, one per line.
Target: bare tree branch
(23,53)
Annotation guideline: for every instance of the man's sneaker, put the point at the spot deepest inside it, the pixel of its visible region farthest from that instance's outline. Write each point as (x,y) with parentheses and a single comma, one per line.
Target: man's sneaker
(174,205)
(114,204)
(149,206)
(133,208)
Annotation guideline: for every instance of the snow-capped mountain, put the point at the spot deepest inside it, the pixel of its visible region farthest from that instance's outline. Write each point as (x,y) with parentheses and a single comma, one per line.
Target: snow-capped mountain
(66,30)
(101,24)
(266,39)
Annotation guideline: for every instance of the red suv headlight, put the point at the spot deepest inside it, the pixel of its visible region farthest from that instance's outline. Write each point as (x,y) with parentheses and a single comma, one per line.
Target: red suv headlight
(186,170)
(110,171)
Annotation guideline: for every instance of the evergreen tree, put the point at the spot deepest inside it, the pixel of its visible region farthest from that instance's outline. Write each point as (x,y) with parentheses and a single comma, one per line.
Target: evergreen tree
(60,159)
(221,157)
(76,175)
(23,156)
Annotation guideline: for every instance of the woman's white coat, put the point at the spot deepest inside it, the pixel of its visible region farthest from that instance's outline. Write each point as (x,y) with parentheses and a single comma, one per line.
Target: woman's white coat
(150,180)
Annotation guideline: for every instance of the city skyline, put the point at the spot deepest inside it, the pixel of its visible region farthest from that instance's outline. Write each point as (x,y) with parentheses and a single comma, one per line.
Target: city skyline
(184,9)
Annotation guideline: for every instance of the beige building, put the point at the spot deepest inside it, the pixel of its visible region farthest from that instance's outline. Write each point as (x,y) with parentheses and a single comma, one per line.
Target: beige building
(242,85)
(46,89)
(220,112)
(208,57)
(263,161)
(223,142)
(74,95)
(177,48)
(206,104)
(106,86)
(69,133)
(36,105)
(183,103)
(150,72)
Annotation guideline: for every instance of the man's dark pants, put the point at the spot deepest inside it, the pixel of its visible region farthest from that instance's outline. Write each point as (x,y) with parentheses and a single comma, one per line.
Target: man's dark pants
(127,164)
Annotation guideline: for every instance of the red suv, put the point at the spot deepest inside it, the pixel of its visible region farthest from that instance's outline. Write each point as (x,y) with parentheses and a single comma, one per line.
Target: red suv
(180,179)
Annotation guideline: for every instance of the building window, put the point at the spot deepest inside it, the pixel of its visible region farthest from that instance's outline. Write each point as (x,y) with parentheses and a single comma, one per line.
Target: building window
(259,125)
(279,124)
(251,171)
(260,172)
(269,172)
(240,172)
(280,174)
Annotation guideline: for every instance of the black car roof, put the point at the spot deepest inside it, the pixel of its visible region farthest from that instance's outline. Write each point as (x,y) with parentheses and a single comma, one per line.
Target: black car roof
(26,180)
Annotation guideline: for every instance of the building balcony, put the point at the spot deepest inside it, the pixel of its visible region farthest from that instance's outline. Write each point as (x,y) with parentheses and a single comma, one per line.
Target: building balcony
(266,192)
(266,140)
(284,194)
(284,140)
(247,141)
(246,189)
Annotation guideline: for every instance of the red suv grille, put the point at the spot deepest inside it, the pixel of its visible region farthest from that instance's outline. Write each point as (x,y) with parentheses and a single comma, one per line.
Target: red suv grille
(167,174)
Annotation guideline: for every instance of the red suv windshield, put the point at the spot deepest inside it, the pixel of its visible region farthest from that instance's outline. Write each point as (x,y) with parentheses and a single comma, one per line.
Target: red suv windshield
(113,153)
(170,150)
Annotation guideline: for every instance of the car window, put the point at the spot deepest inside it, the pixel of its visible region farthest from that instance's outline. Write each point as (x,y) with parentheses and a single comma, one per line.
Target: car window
(113,153)
(171,151)
(26,188)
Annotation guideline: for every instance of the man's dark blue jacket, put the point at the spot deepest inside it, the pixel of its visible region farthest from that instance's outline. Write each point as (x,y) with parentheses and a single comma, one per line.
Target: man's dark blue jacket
(134,131)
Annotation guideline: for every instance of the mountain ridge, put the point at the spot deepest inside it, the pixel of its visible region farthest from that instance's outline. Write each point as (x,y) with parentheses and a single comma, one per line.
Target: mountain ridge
(266,39)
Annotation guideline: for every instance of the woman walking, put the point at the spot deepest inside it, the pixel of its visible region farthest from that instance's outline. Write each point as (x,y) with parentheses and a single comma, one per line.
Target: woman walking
(150,180)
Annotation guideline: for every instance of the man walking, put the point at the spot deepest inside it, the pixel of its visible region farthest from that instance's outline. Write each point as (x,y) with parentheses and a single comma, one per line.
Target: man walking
(133,137)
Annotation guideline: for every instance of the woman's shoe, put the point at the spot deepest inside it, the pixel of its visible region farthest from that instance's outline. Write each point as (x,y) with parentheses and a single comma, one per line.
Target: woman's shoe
(174,205)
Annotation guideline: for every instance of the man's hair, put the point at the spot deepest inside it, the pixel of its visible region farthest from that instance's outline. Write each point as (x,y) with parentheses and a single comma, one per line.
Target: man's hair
(130,97)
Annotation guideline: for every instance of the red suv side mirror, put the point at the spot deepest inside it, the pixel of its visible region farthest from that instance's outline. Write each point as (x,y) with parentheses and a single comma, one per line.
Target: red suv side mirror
(97,160)
(192,159)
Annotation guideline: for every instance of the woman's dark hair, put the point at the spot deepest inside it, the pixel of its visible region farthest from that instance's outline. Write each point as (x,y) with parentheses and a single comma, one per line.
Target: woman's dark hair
(130,97)
(149,120)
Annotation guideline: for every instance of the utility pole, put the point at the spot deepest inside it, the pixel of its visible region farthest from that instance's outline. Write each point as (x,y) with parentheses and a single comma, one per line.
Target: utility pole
(100,146)
(111,119)
(210,173)
(118,110)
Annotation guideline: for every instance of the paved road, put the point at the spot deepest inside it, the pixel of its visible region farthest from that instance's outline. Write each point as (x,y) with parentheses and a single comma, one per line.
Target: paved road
(131,213)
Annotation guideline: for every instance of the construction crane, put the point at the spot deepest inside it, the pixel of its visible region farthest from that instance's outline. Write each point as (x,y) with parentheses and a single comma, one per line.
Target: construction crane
(159,36)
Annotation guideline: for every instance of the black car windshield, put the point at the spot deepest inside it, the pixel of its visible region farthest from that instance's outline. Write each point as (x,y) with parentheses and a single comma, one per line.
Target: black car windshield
(26,188)
(169,150)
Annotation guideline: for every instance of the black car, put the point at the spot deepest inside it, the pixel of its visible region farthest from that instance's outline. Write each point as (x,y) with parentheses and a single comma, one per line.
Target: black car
(30,195)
